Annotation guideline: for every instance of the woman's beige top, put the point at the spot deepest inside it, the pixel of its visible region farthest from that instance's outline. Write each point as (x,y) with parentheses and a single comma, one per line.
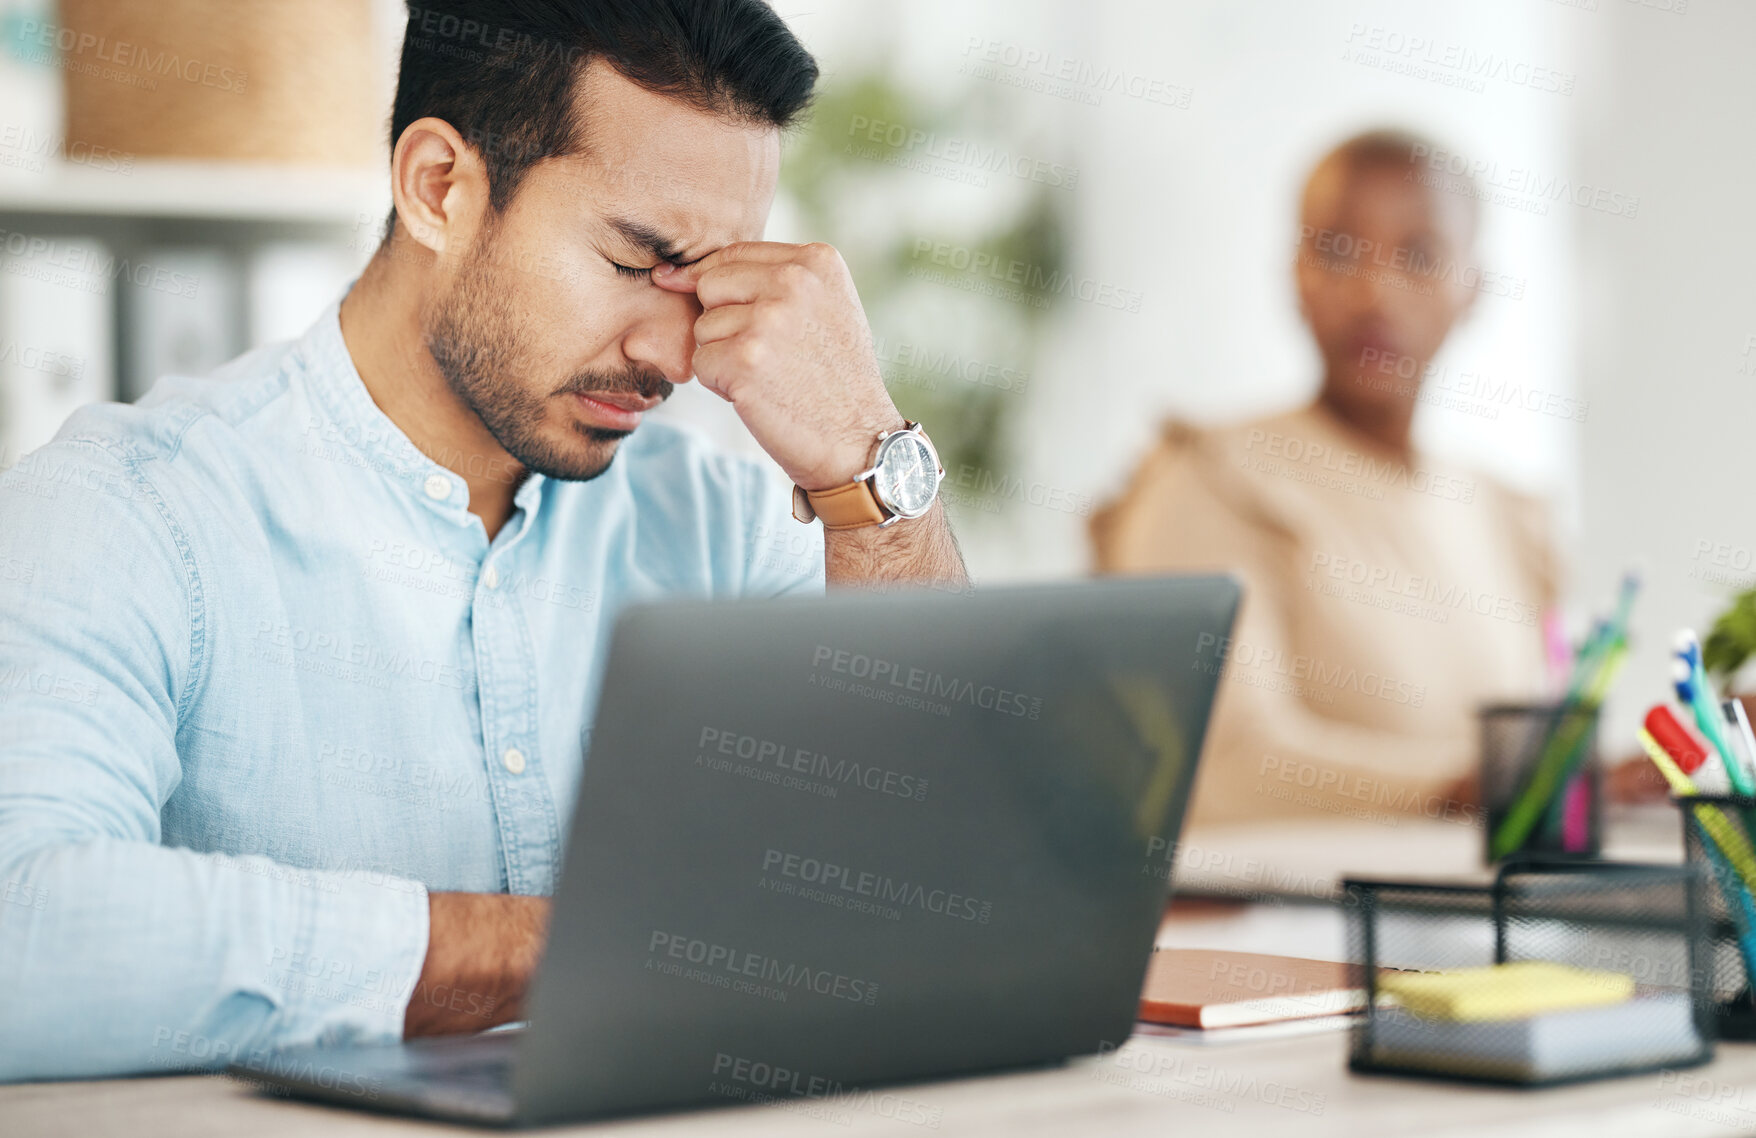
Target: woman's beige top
(1385,600)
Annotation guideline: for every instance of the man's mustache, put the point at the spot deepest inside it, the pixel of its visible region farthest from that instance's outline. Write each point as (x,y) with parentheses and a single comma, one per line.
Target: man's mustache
(630,381)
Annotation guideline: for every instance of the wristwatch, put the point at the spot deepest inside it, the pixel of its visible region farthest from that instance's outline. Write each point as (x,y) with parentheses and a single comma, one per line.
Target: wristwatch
(901,483)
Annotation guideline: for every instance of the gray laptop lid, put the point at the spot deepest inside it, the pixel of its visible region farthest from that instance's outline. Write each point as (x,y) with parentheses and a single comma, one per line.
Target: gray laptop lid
(832,841)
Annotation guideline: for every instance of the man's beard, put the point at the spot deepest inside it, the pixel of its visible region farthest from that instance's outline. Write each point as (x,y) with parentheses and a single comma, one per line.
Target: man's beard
(471,333)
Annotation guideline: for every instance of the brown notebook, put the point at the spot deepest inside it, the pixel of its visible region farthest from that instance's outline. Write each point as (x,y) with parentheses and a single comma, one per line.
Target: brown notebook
(1201,987)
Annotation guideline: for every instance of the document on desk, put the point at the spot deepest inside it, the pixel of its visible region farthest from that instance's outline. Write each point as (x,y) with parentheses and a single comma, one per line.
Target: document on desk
(1210,988)
(1255,1033)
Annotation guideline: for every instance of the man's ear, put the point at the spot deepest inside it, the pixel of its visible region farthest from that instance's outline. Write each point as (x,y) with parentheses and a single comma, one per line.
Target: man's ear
(439,185)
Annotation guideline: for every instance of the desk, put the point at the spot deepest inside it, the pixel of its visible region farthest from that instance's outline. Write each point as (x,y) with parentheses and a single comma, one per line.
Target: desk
(1307,860)
(1151,1088)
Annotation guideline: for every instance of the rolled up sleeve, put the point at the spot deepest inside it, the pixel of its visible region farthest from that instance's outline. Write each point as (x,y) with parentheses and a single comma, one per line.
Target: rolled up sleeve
(123,955)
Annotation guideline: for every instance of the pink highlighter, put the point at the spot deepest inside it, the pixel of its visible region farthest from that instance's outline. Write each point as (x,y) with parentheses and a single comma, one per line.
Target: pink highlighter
(1576,816)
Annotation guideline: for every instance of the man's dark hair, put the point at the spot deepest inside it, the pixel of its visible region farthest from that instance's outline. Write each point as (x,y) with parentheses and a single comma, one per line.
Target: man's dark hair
(503,72)
(1421,157)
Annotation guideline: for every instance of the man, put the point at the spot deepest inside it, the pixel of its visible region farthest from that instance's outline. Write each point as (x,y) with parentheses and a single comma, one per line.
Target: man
(298,685)
(1387,596)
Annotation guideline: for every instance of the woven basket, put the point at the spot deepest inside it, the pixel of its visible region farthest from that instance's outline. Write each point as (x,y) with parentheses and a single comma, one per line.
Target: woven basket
(255,80)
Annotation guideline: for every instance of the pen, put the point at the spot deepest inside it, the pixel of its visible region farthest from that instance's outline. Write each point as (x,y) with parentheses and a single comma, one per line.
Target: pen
(1563,746)
(1734,863)
(1689,752)
(1560,654)
(1707,719)
(1564,752)
(1737,725)
(1724,831)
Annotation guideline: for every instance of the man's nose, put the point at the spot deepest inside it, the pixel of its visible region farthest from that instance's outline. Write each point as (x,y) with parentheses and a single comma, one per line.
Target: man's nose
(1369,288)
(664,335)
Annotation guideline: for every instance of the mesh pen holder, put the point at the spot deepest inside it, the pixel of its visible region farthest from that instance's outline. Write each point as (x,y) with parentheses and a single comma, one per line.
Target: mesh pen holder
(1717,833)
(1513,739)
(1639,921)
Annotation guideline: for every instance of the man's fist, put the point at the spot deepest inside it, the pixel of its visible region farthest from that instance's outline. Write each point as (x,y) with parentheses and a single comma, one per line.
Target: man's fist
(782,337)
(482,952)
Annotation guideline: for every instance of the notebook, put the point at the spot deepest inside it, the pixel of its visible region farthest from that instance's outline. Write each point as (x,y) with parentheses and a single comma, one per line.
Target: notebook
(1206,988)
(1646,1031)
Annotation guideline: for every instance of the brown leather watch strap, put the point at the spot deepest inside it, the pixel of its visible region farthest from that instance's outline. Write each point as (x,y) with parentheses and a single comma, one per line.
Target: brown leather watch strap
(847,507)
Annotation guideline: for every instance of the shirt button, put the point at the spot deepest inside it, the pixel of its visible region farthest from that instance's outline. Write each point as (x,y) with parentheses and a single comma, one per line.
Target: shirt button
(514,760)
(491,578)
(438,487)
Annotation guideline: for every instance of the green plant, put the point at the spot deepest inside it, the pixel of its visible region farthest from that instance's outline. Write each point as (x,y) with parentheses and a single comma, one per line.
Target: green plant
(1732,640)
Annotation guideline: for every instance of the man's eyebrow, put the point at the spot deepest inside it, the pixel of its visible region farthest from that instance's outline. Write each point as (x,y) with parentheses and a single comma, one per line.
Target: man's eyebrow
(646,237)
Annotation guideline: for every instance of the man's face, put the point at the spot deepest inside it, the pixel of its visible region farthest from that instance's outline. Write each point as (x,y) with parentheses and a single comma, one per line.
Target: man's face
(549,327)
(1381,266)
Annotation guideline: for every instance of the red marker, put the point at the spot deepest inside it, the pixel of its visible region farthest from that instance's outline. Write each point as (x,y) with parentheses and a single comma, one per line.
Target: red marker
(1680,743)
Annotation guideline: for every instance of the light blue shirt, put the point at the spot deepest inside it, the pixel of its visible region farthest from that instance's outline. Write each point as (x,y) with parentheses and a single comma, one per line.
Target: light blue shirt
(264,681)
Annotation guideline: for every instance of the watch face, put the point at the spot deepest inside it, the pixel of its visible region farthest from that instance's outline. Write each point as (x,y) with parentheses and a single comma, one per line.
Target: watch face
(907,478)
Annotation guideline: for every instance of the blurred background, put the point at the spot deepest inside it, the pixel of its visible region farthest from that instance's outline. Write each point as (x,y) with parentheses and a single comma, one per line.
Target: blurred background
(183,180)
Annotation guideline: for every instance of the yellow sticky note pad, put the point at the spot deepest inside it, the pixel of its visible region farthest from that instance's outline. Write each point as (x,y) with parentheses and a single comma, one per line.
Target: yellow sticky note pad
(1504,991)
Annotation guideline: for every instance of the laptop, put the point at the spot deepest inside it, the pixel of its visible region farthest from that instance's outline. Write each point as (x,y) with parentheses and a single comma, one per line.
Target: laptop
(829,843)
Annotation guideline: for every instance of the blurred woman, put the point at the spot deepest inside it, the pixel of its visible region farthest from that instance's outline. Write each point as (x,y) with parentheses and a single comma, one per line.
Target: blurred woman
(1387,595)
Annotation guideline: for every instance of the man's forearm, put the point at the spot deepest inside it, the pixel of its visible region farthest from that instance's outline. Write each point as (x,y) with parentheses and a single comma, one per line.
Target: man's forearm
(482,950)
(919,551)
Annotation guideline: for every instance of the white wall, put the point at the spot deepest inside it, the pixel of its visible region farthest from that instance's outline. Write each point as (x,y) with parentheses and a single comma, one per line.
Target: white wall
(1667,312)
(1196,207)
(1638,303)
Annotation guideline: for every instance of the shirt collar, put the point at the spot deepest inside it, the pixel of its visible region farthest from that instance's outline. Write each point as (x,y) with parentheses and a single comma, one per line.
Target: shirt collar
(361,425)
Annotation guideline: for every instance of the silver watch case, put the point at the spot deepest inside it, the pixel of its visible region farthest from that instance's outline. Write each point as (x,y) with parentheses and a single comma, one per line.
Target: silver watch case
(887,446)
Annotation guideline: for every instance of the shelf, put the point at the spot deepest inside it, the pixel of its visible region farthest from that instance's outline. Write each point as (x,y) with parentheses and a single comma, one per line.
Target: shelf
(221,191)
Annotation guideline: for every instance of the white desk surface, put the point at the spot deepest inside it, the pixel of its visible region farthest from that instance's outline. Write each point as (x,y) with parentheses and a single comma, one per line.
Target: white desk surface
(1152,1087)
(1292,1087)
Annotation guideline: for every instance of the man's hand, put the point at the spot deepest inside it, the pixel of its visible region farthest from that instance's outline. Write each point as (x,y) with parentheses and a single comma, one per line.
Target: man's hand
(482,950)
(782,337)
